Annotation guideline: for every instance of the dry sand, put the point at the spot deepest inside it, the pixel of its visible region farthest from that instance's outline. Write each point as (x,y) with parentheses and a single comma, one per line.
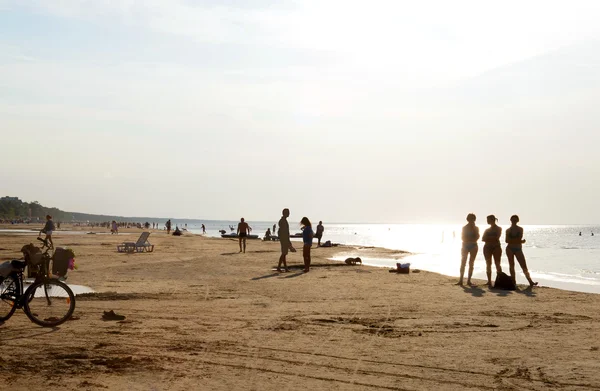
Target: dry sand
(201,316)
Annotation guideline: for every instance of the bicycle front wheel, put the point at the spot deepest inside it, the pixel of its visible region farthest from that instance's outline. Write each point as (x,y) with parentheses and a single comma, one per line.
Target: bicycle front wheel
(49,303)
(9,291)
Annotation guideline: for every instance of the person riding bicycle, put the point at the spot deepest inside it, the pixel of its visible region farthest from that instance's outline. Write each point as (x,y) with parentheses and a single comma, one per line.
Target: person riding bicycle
(48,228)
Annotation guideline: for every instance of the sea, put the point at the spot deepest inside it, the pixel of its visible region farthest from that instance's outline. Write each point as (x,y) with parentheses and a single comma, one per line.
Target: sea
(557,255)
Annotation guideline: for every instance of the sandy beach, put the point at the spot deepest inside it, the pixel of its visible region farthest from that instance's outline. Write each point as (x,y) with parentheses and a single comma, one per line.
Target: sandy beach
(201,316)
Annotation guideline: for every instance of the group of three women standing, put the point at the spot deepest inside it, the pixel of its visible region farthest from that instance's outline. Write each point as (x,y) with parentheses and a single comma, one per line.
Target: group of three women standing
(492,248)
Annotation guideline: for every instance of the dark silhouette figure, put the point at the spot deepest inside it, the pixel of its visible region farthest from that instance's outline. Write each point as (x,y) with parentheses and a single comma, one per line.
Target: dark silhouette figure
(319,233)
(168,225)
(243,230)
(48,229)
(470,236)
(284,240)
(203,229)
(307,238)
(514,248)
(492,247)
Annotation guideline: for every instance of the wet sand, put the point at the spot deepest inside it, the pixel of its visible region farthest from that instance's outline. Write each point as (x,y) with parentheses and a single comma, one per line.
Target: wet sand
(201,316)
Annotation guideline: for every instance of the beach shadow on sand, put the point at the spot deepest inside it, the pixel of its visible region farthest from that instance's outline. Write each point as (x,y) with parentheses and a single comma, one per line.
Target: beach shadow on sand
(265,276)
(527,292)
(474,290)
(502,293)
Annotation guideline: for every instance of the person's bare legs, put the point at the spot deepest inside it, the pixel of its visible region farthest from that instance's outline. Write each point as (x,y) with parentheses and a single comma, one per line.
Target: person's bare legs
(463,263)
(473,254)
(240,241)
(497,259)
(306,256)
(244,240)
(49,239)
(511,264)
(282,260)
(488,269)
(521,259)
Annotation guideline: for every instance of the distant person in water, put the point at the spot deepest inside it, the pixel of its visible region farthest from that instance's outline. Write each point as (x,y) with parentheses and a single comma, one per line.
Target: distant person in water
(267,234)
(492,247)
(307,238)
(514,248)
(274,227)
(284,240)
(579,233)
(48,229)
(243,230)
(470,236)
(203,229)
(319,233)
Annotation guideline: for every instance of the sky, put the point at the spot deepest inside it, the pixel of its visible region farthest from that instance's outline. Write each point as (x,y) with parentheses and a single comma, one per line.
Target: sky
(343,111)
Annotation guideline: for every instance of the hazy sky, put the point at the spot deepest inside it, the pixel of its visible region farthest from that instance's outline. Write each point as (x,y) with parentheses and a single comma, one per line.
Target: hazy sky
(347,111)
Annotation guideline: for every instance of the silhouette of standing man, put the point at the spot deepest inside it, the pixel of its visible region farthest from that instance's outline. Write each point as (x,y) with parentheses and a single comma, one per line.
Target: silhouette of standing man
(284,239)
(319,233)
(243,230)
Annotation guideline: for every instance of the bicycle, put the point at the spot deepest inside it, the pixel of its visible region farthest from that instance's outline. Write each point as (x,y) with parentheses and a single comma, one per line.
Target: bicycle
(47,302)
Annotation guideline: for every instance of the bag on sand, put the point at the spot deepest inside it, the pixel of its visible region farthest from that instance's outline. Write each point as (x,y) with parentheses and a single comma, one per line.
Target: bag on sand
(503,281)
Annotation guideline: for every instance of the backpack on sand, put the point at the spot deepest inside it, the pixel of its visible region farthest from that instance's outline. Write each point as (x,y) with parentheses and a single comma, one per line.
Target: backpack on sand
(503,281)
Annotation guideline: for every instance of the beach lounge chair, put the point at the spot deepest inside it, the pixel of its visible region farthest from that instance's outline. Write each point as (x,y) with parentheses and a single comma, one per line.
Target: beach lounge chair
(140,246)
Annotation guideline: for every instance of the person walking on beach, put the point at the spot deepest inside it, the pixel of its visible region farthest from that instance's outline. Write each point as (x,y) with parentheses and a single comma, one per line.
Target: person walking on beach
(243,230)
(274,226)
(284,240)
(492,247)
(48,228)
(203,229)
(168,225)
(470,236)
(514,248)
(114,228)
(307,238)
(319,233)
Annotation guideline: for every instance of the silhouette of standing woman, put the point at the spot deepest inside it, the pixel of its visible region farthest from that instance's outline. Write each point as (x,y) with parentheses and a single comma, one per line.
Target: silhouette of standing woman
(514,248)
(470,236)
(492,247)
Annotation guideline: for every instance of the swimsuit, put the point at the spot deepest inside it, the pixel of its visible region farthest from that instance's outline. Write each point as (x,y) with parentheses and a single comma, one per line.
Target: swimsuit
(469,246)
(514,247)
(243,234)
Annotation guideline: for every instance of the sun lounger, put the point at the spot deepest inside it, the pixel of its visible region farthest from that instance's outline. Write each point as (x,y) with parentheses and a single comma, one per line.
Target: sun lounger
(140,246)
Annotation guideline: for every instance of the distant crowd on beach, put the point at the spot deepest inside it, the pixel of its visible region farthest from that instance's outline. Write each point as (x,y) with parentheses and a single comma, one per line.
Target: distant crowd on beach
(492,249)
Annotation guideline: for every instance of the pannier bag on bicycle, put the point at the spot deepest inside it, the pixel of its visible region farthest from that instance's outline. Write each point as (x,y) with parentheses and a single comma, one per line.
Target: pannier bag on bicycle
(60,261)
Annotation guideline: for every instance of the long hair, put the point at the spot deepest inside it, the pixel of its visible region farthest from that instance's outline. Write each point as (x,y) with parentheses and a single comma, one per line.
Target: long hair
(306,222)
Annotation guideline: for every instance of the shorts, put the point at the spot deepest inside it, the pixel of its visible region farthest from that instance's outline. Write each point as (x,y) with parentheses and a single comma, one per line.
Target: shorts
(318,236)
(48,233)
(243,235)
(285,247)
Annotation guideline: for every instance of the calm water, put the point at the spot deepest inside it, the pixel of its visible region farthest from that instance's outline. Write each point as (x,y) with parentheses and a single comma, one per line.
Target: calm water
(556,255)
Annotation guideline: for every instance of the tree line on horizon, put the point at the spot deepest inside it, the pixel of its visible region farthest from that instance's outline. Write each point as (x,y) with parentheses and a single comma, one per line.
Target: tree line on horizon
(12,208)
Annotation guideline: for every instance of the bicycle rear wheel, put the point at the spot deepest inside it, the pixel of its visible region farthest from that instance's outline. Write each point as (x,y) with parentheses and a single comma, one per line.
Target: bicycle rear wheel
(49,303)
(9,291)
